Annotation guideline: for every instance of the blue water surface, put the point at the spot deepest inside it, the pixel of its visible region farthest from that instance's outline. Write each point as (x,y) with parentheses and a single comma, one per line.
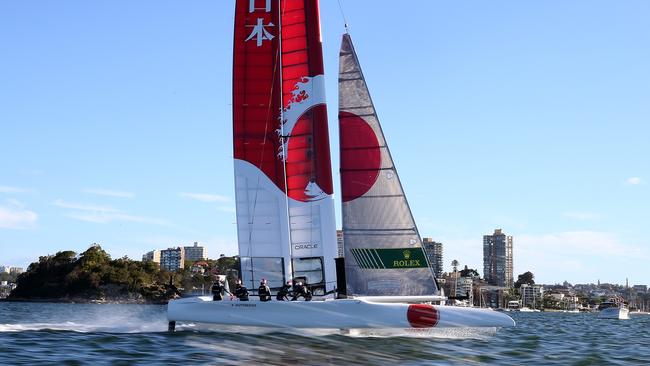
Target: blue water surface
(81,334)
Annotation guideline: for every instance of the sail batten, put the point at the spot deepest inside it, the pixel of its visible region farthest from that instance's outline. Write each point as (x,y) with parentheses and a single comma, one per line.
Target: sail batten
(383,249)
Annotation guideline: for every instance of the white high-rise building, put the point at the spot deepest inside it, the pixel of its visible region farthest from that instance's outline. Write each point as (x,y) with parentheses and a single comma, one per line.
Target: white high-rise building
(152,256)
(465,287)
(195,253)
(12,270)
(532,295)
(172,259)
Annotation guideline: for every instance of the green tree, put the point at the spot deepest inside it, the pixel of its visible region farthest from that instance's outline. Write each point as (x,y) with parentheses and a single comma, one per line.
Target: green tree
(469,272)
(455,264)
(9,277)
(525,278)
(92,275)
(94,257)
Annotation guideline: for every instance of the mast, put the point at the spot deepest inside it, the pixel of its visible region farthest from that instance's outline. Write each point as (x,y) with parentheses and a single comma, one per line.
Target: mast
(383,249)
(283,179)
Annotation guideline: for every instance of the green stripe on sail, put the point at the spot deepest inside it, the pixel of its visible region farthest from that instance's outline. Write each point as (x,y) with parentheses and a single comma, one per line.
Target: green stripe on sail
(371,259)
(374,251)
(393,258)
(356,257)
(361,259)
(375,260)
(365,254)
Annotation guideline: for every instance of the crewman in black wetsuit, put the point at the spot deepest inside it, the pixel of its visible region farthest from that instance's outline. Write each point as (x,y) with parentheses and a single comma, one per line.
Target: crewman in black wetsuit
(301,290)
(264,291)
(283,294)
(241,292)
(217,290)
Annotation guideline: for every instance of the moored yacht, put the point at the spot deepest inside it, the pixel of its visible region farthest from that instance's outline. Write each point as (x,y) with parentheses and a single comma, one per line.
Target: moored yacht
(513,305)
(613,309)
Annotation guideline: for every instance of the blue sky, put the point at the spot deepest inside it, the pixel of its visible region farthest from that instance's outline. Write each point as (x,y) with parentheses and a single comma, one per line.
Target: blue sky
(115,126)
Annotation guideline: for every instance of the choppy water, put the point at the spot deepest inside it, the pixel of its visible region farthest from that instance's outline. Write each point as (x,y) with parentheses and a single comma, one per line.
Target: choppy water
(75,334)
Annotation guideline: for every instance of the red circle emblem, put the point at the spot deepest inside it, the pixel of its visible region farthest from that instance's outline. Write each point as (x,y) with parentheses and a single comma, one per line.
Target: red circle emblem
(422,316)
(360,156)
(308,157)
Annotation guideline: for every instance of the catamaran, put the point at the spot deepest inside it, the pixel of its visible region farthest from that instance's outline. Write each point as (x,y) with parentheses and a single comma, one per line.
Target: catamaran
(283,185)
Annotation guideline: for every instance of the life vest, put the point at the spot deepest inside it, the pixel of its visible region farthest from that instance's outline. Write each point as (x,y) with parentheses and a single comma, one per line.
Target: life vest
(282,294)
(217,288)
(217,292)
(242,293)
(264,292)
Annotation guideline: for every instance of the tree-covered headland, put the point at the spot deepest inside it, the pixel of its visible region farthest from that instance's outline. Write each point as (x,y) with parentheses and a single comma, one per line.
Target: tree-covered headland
(94,276)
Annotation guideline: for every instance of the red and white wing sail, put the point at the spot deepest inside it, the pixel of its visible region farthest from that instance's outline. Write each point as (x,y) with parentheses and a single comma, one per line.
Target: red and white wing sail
(283,180)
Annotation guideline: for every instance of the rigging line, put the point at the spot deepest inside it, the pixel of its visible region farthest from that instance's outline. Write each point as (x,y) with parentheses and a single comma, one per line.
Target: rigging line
(345,21)
(285,149)
(266,130)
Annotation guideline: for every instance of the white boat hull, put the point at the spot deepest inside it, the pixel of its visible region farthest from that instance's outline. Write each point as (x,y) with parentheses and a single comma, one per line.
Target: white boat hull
(332,314)
(615,313)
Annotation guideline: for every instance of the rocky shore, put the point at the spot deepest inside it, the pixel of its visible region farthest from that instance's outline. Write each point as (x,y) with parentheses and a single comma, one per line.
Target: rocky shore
(154,294)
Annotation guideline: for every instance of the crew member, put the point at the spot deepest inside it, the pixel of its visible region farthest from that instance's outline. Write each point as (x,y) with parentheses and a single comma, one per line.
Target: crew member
(217,290)
(241,292)
(283,294)
(264,291)
(300,290)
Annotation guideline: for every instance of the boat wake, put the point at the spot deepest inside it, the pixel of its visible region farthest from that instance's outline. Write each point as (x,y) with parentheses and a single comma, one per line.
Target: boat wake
(125,327)
(135,327)
(82,318)
(442,333)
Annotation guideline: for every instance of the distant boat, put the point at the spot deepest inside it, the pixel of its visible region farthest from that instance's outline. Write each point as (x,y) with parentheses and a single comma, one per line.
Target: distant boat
(613,309)
(513,305)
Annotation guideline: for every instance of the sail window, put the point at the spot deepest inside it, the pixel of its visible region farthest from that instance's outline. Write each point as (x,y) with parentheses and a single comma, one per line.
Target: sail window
(256,268)
(309,268)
